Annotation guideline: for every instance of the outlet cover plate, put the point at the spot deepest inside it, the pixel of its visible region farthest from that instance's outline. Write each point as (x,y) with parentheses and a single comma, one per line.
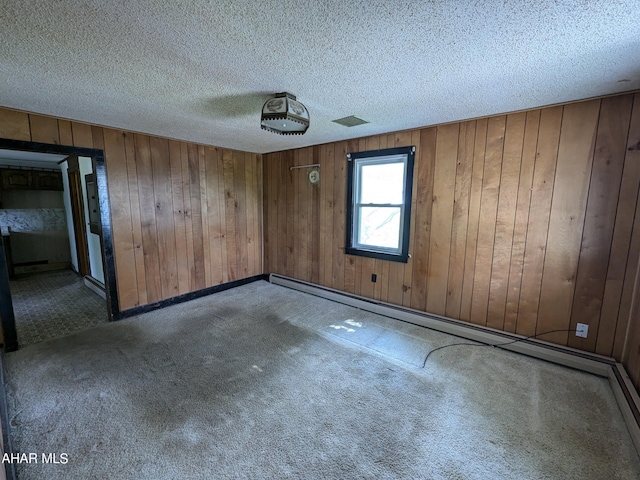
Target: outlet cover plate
(582,330)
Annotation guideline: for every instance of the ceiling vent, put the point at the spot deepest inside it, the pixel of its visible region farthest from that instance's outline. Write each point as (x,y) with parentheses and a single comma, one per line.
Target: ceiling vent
(350,121)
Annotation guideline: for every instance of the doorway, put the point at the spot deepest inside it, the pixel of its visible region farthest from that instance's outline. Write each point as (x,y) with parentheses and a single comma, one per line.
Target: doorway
(89,241)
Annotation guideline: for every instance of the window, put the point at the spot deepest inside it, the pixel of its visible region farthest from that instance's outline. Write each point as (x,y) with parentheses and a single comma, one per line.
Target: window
(379,203)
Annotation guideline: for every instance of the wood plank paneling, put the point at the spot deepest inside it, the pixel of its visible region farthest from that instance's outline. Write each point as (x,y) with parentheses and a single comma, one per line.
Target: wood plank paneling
(475,198)
(204,207)
(606,175)
(631,355)
(223,215)
(626,344)
(505,219)
(327,206)
(626,323)
(97,137)
(240,215)
(510,227)
(538,225)
(571,186)
(521,221)
(146,198)
(626,208)
(177,194)
(64,132)
(487,221)
(162,200)
(136,222)
(444,179)
(121,227)
(460,224)
(259,212)
(214,225)
(44,129)
(283,186)
(252,197)
(82,135)
(186,190)
(299,258)
(165,230)
(14,125)
(302,225)
(339,219)
(288,161)
(197,272)
(315,222)
(423,173)
(270,216)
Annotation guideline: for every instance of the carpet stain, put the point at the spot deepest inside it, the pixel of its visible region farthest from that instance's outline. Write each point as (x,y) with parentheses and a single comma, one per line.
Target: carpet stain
(254,383)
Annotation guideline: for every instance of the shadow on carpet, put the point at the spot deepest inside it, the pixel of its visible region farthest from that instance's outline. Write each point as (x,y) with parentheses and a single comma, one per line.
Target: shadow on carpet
(265,382)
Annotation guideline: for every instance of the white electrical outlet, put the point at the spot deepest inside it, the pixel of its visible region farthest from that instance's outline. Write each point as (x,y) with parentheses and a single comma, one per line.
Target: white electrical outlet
(582,330)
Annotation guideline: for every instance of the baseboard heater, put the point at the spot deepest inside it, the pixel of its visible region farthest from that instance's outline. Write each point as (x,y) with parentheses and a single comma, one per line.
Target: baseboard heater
(624,391)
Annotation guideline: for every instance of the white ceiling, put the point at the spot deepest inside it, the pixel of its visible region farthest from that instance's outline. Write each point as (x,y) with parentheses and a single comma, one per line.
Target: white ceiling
(201,70)
(15,158)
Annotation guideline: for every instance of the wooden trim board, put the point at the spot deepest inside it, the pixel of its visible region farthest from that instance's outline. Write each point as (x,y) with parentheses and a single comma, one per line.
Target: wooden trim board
(187,296)
(628,401)
(95,286)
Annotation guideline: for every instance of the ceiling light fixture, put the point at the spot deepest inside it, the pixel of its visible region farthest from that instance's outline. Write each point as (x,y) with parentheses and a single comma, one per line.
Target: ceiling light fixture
(284,115)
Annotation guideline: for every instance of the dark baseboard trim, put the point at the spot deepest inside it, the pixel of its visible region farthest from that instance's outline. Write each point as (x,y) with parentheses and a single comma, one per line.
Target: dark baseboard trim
(188,296)
(7,445)
(4,414)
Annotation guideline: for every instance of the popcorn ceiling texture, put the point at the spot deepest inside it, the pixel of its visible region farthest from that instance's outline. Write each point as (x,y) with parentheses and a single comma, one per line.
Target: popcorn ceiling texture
(201,70)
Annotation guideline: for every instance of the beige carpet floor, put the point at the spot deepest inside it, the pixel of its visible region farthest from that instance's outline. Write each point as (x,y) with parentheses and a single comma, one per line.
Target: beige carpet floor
(265,382)
(54,304)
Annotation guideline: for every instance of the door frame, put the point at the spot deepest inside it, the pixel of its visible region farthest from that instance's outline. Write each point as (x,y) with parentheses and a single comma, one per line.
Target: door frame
(97,156)
(77,214)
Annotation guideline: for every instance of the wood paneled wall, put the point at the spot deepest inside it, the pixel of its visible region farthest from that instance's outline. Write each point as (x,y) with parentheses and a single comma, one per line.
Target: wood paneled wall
(184,216)
(523,222)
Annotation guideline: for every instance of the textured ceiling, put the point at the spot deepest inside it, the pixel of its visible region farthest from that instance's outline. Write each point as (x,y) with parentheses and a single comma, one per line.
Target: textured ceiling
(201,70)
(15,158)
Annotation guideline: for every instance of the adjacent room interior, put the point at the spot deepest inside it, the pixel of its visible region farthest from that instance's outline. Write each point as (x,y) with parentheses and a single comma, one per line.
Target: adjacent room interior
(323,302)
(51,252)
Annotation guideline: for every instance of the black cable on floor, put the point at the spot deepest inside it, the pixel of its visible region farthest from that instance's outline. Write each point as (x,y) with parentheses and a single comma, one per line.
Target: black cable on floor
(491,344)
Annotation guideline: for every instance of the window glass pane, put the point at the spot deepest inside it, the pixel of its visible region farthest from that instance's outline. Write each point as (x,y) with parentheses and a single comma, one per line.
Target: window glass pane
(382,183)
(379,226)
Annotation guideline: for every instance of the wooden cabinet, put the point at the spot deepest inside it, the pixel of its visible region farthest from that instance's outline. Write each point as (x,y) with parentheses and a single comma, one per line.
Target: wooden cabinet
(14,179)
(17,179)
(48,180)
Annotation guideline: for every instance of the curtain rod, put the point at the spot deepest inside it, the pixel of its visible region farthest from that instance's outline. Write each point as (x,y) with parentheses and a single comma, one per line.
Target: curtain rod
(305,166)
